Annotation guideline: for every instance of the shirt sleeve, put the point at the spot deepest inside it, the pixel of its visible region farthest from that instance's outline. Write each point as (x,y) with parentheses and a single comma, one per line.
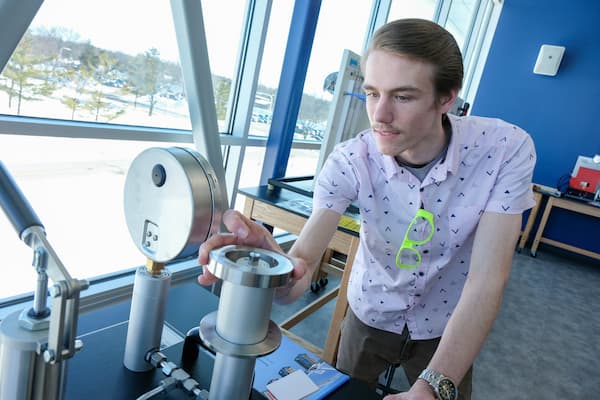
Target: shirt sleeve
(512,192)
(337,184)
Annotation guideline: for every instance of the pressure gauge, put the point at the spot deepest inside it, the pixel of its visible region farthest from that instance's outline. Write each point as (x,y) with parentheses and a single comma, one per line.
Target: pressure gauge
(172,202)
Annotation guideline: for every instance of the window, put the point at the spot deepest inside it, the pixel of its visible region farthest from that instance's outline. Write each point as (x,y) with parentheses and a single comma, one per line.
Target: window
(89,88)
(339,27)
(75,186)
(270,69)
(460,19)
(69,66)
(412,9)
(123,80)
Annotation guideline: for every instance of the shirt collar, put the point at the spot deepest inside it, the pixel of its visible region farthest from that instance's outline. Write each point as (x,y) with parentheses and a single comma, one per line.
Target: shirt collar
(453,154)
(448,165)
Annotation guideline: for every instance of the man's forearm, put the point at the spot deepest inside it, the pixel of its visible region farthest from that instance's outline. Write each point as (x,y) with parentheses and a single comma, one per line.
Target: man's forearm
(307,251)
(481,298)
(467,330)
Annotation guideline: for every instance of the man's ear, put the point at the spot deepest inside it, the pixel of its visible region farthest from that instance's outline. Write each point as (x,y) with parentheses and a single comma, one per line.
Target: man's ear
(447,100)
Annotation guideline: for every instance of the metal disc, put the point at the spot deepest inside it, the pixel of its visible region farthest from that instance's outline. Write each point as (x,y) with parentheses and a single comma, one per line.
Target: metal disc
(172,202)
(211,338)
(249,266)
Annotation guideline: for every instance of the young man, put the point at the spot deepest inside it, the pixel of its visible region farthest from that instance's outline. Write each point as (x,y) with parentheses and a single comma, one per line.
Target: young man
(441,199)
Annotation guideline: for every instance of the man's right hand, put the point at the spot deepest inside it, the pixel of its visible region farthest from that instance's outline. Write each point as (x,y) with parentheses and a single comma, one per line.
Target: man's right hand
(245,232)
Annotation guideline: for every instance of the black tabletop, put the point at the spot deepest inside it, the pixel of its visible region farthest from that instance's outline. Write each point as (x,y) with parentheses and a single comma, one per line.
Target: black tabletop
(97,371)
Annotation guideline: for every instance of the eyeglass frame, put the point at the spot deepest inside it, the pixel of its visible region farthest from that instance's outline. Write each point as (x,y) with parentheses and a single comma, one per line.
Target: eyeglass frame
(409,244)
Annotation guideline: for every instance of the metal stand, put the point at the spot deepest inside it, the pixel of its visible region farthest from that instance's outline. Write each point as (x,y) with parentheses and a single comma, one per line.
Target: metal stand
(172,205)
(36,343)
(146,318)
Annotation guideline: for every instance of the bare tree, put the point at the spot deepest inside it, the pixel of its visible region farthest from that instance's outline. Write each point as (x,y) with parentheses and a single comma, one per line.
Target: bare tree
(22,68)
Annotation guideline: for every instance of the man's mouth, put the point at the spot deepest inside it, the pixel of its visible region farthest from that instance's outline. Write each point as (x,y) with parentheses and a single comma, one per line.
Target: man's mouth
(385,131)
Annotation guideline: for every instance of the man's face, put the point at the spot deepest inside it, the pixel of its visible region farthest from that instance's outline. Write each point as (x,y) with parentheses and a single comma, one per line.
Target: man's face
(402,108)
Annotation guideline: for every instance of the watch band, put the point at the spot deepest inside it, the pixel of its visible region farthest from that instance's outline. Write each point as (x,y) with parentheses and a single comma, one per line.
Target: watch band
(444,387)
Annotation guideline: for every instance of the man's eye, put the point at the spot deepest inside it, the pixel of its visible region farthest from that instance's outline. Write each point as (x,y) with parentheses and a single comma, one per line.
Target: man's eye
(402,98)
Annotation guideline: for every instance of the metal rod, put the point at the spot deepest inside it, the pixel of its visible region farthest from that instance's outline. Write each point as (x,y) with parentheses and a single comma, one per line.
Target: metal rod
(41,292)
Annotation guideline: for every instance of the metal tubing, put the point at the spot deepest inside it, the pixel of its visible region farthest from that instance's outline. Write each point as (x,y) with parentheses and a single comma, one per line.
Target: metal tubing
(50,382)
(39,296)
(244,313)
(231,378)
(146,318)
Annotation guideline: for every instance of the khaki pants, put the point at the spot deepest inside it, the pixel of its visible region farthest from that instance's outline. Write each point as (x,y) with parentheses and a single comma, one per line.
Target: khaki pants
(366,352)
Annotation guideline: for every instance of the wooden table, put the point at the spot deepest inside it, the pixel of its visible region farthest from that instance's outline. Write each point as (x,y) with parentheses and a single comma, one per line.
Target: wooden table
(567,204)
(289,211)
(537,196)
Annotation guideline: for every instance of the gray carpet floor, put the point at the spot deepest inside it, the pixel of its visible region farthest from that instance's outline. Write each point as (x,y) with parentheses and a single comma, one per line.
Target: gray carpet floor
(545,343)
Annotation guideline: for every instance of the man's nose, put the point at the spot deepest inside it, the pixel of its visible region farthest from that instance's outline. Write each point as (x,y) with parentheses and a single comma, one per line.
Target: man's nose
(382,111)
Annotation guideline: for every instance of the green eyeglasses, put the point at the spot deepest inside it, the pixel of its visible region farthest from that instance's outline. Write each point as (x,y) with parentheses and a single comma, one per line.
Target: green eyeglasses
(420,231)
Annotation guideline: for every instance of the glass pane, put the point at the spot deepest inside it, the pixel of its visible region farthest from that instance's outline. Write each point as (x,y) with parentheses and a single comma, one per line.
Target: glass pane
(341,25)
(270,69)
(74,65)
(302,162)
(412,9)
(459,19)
(223,41)
(254,158)
(75,186)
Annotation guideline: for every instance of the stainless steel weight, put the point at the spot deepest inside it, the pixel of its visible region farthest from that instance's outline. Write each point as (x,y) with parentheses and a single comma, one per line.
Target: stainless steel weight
(241,329)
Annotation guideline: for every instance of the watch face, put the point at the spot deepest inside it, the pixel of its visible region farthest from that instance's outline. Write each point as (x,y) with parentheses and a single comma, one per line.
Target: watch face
(447,390)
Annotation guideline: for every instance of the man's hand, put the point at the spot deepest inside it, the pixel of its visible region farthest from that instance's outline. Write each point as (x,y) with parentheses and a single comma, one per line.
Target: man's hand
(419,391)
(245,232)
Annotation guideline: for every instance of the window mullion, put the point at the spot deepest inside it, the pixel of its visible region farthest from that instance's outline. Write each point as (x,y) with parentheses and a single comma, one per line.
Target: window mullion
(242,96)
(15,18)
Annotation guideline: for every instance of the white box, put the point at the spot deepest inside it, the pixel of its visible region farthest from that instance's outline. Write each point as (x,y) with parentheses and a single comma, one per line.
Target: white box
(548,60)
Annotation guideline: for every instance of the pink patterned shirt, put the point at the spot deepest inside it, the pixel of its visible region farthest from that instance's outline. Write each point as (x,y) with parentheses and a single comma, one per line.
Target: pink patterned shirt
(488,167)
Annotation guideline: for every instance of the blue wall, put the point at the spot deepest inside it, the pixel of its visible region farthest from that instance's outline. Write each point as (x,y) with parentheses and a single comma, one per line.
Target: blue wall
(562,113)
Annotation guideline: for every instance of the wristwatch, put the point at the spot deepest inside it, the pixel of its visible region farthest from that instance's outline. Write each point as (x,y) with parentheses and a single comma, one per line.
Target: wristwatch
(444,387)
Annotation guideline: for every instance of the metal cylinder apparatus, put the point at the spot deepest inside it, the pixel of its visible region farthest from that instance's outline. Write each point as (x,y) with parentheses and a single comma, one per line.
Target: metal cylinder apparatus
(172,205)
(241,329)
(146,317)
(36,343)
(19,354)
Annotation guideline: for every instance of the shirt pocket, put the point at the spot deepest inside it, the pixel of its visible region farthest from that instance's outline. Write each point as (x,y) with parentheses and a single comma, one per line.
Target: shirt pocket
(462,221)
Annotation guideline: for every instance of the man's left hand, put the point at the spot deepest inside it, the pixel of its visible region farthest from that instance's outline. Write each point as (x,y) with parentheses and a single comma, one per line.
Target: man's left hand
(419,391)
